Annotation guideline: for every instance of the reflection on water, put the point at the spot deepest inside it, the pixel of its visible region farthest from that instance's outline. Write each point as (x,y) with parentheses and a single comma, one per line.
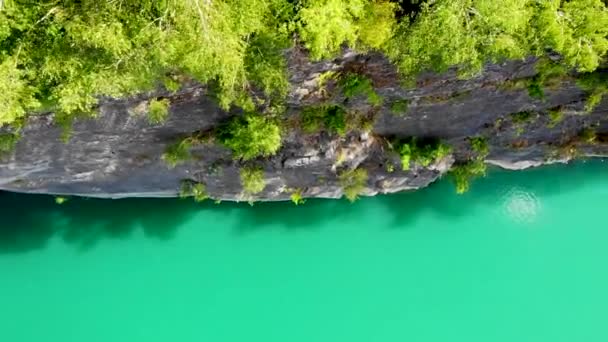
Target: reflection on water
(521,205)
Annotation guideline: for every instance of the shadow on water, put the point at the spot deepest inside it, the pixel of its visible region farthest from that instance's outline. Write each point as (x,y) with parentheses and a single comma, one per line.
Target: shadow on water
(30,221)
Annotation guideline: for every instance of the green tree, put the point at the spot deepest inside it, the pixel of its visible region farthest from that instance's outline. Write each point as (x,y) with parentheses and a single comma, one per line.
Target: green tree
(251,136)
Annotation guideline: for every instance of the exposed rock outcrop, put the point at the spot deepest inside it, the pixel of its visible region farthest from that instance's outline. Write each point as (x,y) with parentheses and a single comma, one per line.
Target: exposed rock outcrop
(118,153)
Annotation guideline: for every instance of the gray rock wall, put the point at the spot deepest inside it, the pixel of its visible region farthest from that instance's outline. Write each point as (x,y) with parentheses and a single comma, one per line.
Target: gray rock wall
(118,153)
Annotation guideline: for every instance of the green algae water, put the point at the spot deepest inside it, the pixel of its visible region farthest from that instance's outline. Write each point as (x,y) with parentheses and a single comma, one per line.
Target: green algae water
(521,257)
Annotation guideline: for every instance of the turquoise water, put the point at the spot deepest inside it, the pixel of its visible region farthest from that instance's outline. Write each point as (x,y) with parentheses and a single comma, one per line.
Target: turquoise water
(522,257)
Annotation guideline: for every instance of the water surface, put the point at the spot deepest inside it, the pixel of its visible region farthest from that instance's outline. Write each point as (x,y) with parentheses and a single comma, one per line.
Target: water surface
(522,257)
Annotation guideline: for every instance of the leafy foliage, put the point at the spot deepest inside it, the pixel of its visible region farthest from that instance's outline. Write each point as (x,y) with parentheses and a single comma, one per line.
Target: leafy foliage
(297,198)
(469,33)
(556,115)
(480,146)
(158,110)
(252,179)
(251,136)
(596,85)
(353,183)
(329,117)
(399,107)
(354,85)
(423,152)
(178,153)
(196,190)
(71,52)
(463,174)
(326,25)
(8,142)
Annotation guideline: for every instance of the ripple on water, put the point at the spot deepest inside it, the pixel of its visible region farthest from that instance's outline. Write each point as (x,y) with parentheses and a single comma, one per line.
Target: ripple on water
(520,205)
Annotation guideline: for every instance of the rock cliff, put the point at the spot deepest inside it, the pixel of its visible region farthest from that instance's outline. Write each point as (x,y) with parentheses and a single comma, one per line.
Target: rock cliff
(118,153)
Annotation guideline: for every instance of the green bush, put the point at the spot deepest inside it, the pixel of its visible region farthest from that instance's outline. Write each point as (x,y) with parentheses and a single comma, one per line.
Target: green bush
(329,117)
(423,152)
(353,183)
(465,173)
(354,85)
(596,85)
(178,153)
(480,146)
(158,111)
(252,180)
(8,141)
(399,107)
(297,198)
(251,136)
(556,115)
(196,190)
(521,118)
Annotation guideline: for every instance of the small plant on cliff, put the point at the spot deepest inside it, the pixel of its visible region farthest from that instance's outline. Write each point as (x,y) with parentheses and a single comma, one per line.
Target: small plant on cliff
(588,135)
(8,141)
(196,190)
(353,183)
(158,110)
(251,136)
(252,180)
(399,107)
(423,152)
(480,146)
(354,85)
(329,117)
(465,173)
(596,86)
(549,74)
(556,115)
(178,153)
(296,197)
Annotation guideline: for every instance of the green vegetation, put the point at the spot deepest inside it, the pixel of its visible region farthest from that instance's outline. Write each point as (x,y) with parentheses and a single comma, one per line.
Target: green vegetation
(420,151)
(549,74)
(252,180)
(556,115)
(329,117)
(465,173)
(469,33)
(354,85)
(251,136)
(588,135)
(521,118)
(71,52)
(8,142)
(353,183)
(65,55)
(196,190)
(61,200)
(296,197)
(326,25)
(178,153)
(158,110)
(596,85)
(399,107)
(480,146)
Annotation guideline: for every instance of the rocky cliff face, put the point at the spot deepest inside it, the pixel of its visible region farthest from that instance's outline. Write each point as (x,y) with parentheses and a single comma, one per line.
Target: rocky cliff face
(118,154)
